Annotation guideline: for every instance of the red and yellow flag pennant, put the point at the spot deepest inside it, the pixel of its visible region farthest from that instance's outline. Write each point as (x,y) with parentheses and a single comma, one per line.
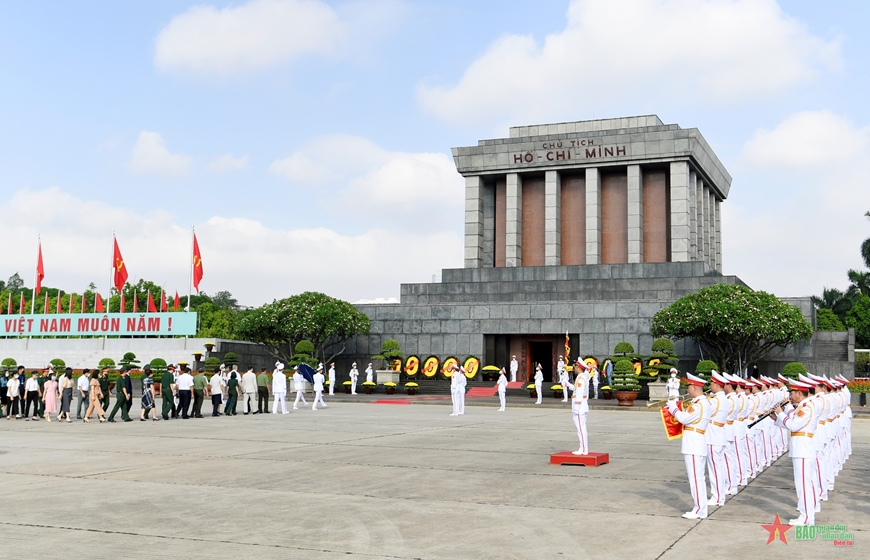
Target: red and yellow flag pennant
(40,270)
(673,427)
(120,269)
(567,348)
(197,264)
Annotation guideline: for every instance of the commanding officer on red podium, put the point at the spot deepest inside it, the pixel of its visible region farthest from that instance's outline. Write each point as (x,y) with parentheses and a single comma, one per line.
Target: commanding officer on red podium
(695,420)
(580,405)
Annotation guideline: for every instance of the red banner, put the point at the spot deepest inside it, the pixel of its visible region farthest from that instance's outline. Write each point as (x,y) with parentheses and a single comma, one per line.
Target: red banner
(673,427)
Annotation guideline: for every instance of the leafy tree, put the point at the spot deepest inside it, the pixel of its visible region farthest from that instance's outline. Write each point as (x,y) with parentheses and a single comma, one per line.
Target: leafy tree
(836,300)
(225,300)
(826,320)
(859,318)
(215,322)
(390,352)
(14,283)
(733,324)
(327,322)
(860,283)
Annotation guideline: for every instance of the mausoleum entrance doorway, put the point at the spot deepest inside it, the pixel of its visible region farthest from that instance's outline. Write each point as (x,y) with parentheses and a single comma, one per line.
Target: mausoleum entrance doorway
(540,351)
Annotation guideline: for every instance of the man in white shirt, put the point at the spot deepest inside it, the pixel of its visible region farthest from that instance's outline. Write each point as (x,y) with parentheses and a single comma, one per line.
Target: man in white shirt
(217,392)
(354,375)
(32,393)
(249,391)
(539,382)
(83,389)
(299,387)
(185,389)
(279,388)
(332,379)
(318,389)
(515,366)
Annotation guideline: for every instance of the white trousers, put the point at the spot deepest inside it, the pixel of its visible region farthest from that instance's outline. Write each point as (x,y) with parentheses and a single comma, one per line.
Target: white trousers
(299,395)
(318,397)
(331,386)
(246,408)
(282,398)
(805,485)
(501,399)
(564,392)
(353,386)
(582,434)
(743,458)
(538,391)
(731,463)
(462,401)
(697,483)
(454,397)
(718,472)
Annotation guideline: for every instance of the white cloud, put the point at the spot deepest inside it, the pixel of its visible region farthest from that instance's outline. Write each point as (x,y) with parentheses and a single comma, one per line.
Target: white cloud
(684,51)
(795,222)
(258,34)
(417,189)
(228,162)
(254,262)
(150,155)
(809,139)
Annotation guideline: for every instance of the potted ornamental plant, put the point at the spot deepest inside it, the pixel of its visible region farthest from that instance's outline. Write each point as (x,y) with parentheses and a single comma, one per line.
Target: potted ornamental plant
(346,386)
(557,390)
(625,384)
(606,392)
(390,387)
(532,392)
(369,387)
(793,369)
(411,387)
(490,373)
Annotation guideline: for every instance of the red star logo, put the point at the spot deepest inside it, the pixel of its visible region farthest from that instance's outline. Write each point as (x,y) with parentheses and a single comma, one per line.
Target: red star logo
(777,528)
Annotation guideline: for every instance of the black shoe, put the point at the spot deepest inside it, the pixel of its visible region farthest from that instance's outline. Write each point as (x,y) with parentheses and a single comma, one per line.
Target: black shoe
(128,419)
(141,419)
(246,413)
(78,417)
(111,420)
(198,416)
(166,417)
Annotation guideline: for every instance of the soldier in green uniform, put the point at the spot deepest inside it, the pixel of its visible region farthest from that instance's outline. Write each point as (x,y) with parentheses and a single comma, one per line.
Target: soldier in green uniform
(104,387)
(167,384)
(200,382)
(121,397)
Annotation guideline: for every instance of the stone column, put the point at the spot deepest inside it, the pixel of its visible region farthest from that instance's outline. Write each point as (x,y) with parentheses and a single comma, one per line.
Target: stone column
(705,232)
(693,216)
(635,214)
(488,225)
(473,222)
(552,218)
(593,216)
(702,221)
(711,228)
(718,206)
(513,246)
(679,211)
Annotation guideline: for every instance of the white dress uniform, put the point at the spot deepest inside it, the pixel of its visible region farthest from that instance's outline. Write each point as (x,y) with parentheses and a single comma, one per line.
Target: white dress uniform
(279,389)
(563,381)
(580,407)
(539,383)
(463,381)
(715,435)
(369,374)
(318,390)
(454,392)
(515,367)
(502,387)
(331,380)
(695,420)
(801,421)
(354,375)
(741,451)
(299,387)
(673,387)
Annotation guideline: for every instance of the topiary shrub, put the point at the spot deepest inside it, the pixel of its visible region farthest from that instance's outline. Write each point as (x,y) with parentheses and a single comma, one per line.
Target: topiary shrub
(624,378)
(663,345)
(793,369)
(390,352)
(58,364)
(231,359)
(158,366)
(107,363)
(9,363)
(129,361)
(623,348)
(706,366)
(212,364)
(304,354)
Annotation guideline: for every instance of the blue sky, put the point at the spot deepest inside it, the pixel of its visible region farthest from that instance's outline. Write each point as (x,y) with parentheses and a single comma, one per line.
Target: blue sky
(308,141)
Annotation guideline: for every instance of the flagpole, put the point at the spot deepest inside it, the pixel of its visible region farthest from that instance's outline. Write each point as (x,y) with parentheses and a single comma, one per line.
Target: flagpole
(190,278)
(36,274)
(109,292)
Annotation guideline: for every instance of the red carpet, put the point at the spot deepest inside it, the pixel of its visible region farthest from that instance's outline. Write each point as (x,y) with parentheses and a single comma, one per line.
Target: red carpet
(515,385)
(481,392)
(395,401)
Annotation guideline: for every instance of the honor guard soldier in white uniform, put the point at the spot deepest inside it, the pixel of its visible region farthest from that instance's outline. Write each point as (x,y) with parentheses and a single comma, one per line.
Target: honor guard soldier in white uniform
(299,387)
(739,427)
(332,379)
(502,387)
(318,388)
(563,379)
(695,420)
(580,405)
(716,441)
(800,419)
(539,383)
(515,367)
(673,385)
(279,389)
(370,374)
(354,375)
(463,382)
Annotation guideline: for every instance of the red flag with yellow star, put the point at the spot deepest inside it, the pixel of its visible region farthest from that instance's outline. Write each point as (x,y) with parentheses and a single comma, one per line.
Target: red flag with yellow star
(120,269)
(197,264)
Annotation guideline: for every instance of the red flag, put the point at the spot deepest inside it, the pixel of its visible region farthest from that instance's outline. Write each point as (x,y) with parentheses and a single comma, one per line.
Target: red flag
(120,269)
(59,303)
(135,302)
(40,270)
(197,264)
(673,427)
(21,304)
(177,301)
(98,304)
(163,302)
(72,302)
(152,307)
(47,304)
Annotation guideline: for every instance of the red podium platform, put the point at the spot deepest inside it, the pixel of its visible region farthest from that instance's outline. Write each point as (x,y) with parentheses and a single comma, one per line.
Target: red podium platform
(568,458)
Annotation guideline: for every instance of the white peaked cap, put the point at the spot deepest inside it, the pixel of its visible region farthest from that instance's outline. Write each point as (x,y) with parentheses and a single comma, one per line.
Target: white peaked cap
(695,380)
(279,365)
(804,379)
(719,378)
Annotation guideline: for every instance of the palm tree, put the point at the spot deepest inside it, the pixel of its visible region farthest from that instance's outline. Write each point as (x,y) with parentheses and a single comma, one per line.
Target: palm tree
(860,284)
(836,300)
